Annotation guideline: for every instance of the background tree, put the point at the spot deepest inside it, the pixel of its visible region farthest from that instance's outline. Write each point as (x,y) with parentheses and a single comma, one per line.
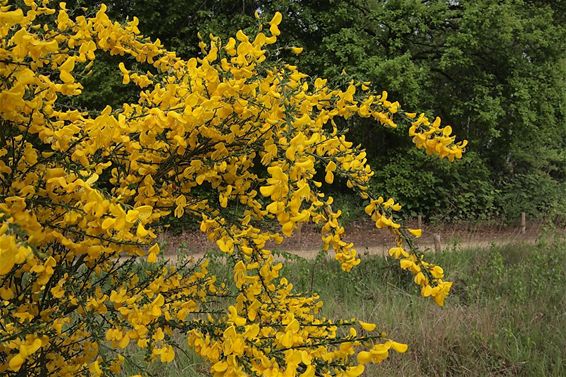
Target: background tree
(494,69)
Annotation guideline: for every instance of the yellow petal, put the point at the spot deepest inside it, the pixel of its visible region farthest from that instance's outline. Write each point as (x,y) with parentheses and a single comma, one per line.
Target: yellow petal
(267,190)
(220,366)
(276,20)
(132,216)
(274,30)
(108,222)
(367,326)
(66,77)
(225,245)
(287,228)
(416,232)
(296,50)
(329,177)
(152,253)
(16,362)
(7,261)
(364,357)
(399,347)
(355,371)
(141,231)
(144,212)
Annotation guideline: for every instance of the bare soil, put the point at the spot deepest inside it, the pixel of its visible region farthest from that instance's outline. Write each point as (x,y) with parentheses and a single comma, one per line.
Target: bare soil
(371,241)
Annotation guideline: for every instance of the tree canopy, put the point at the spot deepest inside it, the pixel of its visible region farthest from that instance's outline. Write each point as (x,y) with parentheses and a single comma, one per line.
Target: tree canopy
(495,70)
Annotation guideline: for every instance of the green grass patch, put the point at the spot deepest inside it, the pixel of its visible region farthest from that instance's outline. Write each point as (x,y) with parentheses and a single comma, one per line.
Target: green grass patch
(506,315)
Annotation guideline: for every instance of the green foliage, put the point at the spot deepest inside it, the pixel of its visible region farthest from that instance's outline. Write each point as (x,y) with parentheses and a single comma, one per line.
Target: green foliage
(496,71)
(443,192)
(515,273)
(104,86)
(534,193)
(176,23)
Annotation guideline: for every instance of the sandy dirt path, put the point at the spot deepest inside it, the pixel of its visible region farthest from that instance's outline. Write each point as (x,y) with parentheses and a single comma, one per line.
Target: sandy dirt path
(368,240)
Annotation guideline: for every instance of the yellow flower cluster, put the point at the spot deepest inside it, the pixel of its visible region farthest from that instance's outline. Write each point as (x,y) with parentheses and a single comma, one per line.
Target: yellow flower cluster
(426,275)
(229,139)
(435,139)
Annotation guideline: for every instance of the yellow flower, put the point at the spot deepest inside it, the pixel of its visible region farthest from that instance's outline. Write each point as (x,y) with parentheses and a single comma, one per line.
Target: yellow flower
(416,232)
(166,354)
(297,50)
(152,253)
(94,369)
(367,326)
(398,347)
(397,252)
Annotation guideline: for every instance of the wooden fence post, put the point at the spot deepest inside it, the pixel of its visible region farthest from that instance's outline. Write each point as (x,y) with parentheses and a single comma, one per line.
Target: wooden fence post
(420,221)
(300,234)
(523,223)
(437,244)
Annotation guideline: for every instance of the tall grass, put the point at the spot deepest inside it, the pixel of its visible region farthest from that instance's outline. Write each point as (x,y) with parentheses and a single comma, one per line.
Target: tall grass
(506,316)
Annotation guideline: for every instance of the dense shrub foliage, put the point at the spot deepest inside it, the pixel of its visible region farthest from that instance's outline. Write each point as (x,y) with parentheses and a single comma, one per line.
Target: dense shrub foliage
(231,139)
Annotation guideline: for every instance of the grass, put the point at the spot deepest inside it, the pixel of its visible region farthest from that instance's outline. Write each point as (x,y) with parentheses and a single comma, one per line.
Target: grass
(506,316)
